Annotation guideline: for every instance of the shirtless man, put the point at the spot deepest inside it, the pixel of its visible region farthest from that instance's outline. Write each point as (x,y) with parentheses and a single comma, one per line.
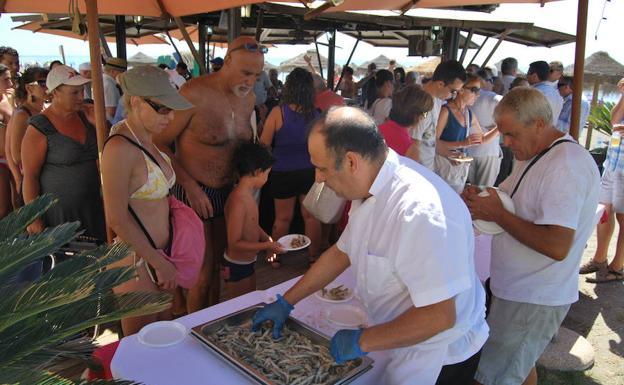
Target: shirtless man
(204,139)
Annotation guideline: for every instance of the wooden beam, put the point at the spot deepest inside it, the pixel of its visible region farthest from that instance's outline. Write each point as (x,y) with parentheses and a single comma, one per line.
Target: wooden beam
(189,42)
(579,64)
(466,45)
(259,24)
(479,50)
(501,38)
(317,11)
(97,84)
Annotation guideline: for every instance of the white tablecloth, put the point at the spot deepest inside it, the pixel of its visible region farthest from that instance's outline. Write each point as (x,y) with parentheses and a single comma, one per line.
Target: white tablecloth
(190,363)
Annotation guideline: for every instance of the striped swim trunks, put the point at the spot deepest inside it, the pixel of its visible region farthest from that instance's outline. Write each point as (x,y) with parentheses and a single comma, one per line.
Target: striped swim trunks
(217,196)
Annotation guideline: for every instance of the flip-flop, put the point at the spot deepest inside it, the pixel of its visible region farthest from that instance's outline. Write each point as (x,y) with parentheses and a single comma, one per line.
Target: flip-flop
(592,266)
(608,276)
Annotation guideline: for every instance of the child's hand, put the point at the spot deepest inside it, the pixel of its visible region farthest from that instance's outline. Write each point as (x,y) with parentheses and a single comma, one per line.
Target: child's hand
(276,247)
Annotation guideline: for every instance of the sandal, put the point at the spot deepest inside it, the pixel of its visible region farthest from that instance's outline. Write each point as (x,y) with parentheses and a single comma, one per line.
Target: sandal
(607,276)
(592,267)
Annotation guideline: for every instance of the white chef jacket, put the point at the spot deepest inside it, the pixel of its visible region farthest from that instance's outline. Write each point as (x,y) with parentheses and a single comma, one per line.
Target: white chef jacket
(411,244)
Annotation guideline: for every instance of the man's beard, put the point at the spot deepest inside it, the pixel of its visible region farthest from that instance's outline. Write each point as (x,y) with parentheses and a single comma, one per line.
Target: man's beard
(241,91)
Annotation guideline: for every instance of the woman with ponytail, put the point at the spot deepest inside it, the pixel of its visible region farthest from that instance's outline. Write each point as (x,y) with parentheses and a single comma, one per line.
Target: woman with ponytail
(30,96)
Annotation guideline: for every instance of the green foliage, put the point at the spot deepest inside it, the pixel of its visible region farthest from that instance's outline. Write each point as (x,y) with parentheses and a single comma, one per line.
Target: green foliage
(600,117)
(37,318)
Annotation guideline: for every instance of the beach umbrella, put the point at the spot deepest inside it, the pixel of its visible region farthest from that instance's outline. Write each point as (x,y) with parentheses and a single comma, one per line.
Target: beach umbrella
(141,59)
(298,61)
(38,27)
(427,67)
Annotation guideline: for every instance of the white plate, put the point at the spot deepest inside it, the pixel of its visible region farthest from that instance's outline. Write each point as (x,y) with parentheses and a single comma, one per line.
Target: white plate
(465,159)
(347,316)
(488,227)
(162,333)
(320,296)
(286,239)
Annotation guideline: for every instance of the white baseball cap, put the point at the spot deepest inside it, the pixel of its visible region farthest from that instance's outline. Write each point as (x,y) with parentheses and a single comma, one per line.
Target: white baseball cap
(86,66)
(63,74)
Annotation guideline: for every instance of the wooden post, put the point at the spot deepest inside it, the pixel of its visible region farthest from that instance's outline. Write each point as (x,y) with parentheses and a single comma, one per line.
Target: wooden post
(579,65)
(501,38)
(594,102)
(201,32)
(331,59)
(97,83)
(467,43)
(189,42)
(479,50)
(120,36)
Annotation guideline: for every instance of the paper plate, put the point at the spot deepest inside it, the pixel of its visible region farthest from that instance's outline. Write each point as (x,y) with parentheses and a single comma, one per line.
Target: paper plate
(319,295)
(347,316)
(287,239)
(465,159)
(492,228)
(162,333)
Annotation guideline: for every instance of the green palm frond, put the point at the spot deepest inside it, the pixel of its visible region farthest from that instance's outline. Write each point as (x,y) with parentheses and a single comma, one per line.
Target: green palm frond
(600,117)
(18,253)
(16,222)
(89,262)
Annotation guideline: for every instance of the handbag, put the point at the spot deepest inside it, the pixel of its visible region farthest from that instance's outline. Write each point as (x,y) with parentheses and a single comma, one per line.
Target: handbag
(323,203)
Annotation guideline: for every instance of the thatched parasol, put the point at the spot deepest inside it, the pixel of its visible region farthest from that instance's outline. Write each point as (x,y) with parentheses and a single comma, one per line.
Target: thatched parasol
(298,61)
(382,62)
(427,67)
(600,67)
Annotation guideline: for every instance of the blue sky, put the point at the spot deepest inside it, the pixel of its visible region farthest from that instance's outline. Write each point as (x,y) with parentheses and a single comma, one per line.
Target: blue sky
(559,15)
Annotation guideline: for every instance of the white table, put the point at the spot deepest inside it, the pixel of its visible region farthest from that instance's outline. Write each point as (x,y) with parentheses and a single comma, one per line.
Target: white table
(190,363)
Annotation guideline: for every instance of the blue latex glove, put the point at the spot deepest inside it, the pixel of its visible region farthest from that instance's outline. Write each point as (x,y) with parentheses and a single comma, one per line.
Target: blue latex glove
(345,345)
(277,312)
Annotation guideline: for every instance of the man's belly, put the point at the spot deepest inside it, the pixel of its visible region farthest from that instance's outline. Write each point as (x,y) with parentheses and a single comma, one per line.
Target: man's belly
(207,164)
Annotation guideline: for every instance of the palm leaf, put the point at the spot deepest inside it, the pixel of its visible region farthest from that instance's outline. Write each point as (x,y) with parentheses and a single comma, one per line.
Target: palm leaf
(16,222)
(15,255)
(600,117)
(32,335)
(89,261)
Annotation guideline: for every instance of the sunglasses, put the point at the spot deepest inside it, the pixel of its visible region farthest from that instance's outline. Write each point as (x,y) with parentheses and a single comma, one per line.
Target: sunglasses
(41,83)
(561,85)
(252,47)
(159,108)
(474,90)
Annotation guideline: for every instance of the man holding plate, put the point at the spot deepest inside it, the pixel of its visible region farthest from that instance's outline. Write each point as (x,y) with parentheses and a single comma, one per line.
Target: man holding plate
(410,243)
(554,187)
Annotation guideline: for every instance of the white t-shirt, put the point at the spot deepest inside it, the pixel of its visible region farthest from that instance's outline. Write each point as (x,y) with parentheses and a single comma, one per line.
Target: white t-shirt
(560,189)
(554,99)
(484,111)
(175,78)
(111,92)
(380,110)
(507,80)
(425,132)
(412,244)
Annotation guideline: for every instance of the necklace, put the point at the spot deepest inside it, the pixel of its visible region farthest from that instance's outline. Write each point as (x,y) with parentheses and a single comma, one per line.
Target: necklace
(228,102)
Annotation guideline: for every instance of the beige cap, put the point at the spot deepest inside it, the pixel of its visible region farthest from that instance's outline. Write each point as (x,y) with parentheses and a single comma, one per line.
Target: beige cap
(116,63)
(151,82)
(63,74)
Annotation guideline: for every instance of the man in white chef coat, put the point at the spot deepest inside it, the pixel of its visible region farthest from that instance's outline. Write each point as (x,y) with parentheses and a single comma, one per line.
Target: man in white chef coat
(410,243)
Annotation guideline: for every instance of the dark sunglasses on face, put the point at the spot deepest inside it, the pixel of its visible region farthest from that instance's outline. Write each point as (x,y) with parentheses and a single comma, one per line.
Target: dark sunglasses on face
(474,90)
(561,85)
(159,108)
(252,47)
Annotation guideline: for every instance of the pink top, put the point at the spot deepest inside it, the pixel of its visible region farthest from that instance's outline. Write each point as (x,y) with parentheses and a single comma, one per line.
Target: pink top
(327,99)
(396,136)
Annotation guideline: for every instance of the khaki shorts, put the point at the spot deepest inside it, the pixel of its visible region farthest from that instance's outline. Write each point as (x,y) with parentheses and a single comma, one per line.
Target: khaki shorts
(612,189)
(519,333)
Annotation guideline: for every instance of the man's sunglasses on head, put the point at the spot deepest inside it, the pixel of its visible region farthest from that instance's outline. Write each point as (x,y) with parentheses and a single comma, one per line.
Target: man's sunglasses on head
(252,47)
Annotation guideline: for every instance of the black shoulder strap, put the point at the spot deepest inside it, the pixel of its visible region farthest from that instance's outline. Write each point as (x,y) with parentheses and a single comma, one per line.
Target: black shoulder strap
(537,157)
(42,124)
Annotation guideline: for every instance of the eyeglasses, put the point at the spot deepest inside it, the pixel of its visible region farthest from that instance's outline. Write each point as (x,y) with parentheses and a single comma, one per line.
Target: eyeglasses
(159,108)
(474,90)
(251,47)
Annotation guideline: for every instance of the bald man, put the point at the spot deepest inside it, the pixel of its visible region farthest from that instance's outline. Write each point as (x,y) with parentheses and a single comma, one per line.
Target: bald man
(204,139)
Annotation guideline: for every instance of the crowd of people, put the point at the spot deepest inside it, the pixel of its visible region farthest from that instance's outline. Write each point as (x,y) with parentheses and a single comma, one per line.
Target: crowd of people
(190,155)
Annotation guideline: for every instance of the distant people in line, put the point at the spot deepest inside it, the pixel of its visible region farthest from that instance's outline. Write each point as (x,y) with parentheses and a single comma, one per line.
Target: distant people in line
(411,78)
(178,75)
(520,81)
(537,75)
(182,70)
(84,69)
(380,109)
(347,87)
(509,68)
(136,179)
(457,129)
(30,96)
(471,69)
(448,78)
(324,98)
(292,175)
(62,158)
(245,237)
(535,260)
(399,78)
(565,85)
(410,105)
(112,92)
(555,73)
(216,64)
(367,84)
(10,58)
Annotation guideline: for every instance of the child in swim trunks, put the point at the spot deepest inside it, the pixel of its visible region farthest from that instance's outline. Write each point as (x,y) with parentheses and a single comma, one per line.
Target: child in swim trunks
(245,237)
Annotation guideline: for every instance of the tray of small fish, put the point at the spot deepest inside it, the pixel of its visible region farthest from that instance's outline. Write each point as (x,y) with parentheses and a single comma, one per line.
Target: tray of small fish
(300,357)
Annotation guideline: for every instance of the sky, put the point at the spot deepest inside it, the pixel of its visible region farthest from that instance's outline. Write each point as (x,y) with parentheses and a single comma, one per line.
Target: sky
(557,15)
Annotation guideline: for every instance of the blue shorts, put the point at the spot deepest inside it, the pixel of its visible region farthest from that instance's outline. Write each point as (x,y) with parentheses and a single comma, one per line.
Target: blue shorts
(236,271)
(217,196)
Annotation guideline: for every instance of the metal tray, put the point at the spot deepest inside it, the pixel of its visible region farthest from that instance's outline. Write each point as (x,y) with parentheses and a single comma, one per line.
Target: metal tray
(244,316)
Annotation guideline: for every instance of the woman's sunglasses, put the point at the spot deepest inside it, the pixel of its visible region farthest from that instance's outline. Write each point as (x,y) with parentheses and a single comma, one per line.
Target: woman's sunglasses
(474,90)
(159,108)
(252,47)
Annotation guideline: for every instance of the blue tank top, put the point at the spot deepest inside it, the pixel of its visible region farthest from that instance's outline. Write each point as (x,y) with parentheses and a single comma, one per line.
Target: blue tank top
(290,147)
(454,131)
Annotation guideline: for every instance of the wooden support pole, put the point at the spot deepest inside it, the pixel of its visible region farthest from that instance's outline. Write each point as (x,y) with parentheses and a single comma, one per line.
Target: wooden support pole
(331,59)
(479,50)
(97,82)
(501,38)
(120,36)
(466,45)
(579,67)
(594,102)
(189,42)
